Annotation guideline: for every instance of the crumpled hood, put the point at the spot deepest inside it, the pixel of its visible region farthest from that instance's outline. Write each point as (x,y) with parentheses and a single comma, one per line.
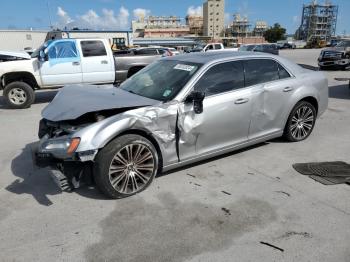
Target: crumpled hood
(74,101)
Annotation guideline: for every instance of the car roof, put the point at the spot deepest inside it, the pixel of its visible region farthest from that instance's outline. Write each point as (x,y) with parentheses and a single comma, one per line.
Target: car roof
(207,57)
(212,57)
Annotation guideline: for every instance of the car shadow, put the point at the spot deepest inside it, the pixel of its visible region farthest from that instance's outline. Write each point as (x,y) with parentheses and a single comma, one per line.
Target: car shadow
(340,91)
(212,159)
(39,184)
(31,181)
(40,98)
(310,67)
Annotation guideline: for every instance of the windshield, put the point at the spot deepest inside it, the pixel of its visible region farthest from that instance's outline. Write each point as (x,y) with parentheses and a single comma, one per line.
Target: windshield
(247,48)
(35,54)
(344,44)
(162,80)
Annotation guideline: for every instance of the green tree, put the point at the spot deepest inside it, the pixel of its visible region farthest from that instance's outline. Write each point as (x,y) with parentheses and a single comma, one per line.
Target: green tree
(275,33)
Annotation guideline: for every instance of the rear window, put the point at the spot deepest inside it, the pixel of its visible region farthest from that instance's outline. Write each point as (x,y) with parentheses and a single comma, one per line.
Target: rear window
(93,48)
(258,71)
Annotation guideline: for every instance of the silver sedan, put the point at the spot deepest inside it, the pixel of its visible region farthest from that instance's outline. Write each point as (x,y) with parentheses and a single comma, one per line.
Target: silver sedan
(175,112)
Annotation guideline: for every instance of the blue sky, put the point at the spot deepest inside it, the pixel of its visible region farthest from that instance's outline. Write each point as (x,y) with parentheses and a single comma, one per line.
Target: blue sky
(109,14)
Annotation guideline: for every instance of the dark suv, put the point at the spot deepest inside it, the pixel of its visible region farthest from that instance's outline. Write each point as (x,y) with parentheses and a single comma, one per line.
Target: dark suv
(338,56)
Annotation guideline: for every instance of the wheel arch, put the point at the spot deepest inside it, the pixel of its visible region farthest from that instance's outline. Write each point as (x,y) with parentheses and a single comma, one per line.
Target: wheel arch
(146,135)
(312,100)
(21,76)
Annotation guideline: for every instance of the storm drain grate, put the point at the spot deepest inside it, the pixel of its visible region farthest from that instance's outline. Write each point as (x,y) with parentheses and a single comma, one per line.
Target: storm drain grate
(327,173)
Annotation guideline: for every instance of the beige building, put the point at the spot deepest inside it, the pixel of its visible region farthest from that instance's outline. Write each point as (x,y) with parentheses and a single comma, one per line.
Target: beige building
(195,23)
(214,18)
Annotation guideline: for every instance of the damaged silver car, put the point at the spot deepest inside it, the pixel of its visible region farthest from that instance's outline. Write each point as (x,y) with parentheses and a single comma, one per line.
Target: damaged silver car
(177,111)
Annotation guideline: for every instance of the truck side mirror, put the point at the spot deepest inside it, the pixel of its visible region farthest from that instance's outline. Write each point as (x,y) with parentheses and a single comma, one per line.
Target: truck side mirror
(42,56)
(196,97)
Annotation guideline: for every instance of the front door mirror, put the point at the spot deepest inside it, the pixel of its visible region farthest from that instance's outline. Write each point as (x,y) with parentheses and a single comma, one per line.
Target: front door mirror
(42,56)
(196,97)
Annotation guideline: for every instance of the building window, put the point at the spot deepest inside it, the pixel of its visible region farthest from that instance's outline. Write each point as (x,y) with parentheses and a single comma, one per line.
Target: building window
(29,37)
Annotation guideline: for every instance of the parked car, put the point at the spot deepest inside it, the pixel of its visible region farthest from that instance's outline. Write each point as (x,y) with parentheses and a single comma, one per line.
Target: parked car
(207,48)
(128,62)
(264,48)
(61,62)
(175,112)
(286,45)
(338,56)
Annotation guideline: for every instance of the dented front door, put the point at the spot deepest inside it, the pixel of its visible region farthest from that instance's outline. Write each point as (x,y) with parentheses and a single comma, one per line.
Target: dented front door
(224,122)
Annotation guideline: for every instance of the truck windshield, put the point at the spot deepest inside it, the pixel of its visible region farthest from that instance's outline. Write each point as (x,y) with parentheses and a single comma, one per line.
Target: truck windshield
(35,54)
(161,80)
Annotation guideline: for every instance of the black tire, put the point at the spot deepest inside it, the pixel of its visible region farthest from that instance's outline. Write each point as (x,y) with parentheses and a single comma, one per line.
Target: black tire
(322,68)
(25,95)
(107,157)
(293,128)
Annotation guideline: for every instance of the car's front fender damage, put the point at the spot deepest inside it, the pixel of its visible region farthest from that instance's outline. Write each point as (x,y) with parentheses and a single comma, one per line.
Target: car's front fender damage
(159,122)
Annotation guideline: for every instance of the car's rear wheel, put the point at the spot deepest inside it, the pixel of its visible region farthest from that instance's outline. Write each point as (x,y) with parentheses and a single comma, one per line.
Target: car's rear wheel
(301,122)
(19,95)
(126,166)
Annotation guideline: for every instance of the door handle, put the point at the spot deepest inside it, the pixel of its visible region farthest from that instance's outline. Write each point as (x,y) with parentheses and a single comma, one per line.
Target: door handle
(75,63)
(288,89)
(104,62)
(241,101)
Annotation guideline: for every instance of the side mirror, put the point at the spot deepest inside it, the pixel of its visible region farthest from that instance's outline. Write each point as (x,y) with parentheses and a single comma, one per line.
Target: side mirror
(42,56)
(196,97)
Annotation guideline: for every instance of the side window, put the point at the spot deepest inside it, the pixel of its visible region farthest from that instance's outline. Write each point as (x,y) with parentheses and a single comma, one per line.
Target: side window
(222,78)
(283,73)
(210,47)
(93,48)
(259,71)
(217,46)
(63,50)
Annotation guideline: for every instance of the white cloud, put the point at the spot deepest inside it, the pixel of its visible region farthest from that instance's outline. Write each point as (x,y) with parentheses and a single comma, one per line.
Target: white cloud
(141,13)
(64,18)
(195,11)
(108,20)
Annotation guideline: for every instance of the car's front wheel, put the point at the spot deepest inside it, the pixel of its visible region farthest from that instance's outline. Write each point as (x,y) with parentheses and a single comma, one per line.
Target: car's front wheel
(301,122)
(126,166)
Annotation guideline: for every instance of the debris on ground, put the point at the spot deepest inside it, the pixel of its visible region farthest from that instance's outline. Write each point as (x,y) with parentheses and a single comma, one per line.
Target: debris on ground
(226,193)
(273,246)
(293,233)
(282,192)
(227,211)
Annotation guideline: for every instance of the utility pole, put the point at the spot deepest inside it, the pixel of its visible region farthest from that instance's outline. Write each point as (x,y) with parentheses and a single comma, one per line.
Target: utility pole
(49,13)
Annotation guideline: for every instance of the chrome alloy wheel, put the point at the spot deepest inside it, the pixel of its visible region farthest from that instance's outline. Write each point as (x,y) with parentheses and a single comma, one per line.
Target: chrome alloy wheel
(131,168)
(17,96)
(302,123)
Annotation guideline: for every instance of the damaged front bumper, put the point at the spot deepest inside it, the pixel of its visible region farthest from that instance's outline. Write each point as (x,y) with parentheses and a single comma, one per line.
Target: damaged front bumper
(69,170)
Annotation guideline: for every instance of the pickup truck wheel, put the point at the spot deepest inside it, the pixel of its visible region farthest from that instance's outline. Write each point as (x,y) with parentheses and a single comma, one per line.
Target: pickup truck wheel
(19,95)
(126,166)
(301,122)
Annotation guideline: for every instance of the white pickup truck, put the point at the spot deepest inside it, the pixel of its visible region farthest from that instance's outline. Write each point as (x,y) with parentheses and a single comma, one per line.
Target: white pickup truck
(62,62)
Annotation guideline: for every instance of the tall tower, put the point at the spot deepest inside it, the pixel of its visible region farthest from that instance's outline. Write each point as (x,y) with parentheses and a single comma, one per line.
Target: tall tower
(214,18)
